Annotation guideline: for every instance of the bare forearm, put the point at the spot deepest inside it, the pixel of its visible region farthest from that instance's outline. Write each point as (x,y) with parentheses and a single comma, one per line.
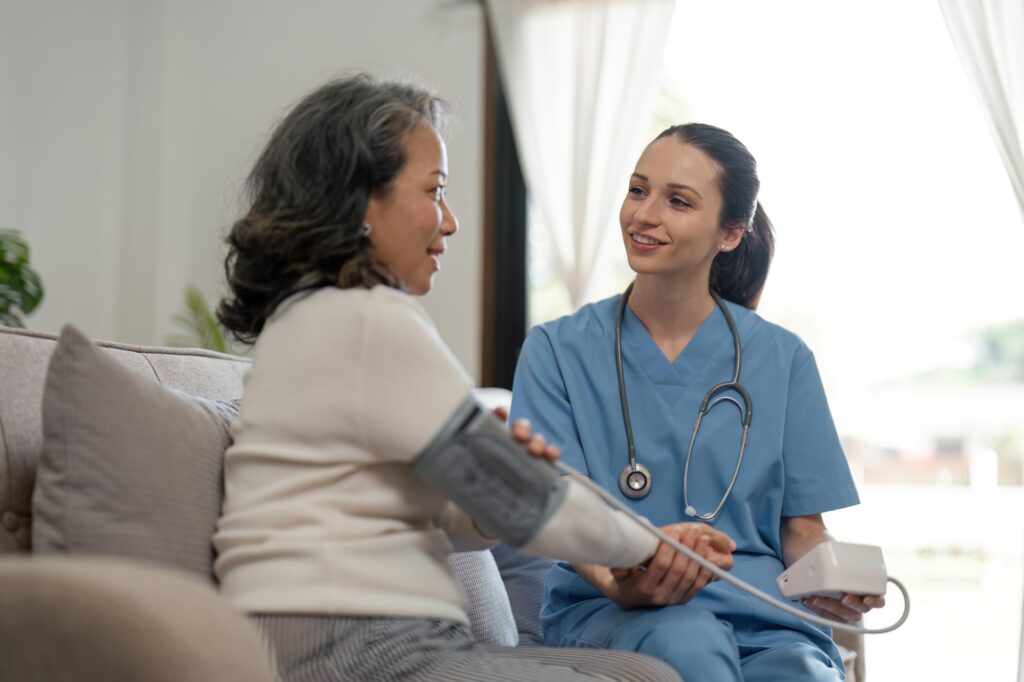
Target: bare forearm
(598,576)
(618,590)
(668,578)
(800,534)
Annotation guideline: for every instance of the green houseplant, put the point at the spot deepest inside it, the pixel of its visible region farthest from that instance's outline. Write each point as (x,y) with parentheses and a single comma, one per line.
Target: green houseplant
(21,289)
(198,325)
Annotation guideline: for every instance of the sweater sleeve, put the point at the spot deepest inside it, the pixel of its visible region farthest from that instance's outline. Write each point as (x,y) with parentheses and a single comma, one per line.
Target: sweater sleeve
(413,383)
(414,386)
(585,530)
(463,532)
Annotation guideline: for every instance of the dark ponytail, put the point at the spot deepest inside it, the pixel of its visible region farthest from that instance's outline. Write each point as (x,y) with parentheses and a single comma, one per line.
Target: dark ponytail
(740,274)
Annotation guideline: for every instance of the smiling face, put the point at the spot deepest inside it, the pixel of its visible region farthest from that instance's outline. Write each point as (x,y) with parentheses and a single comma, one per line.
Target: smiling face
(670,216)
(410,221)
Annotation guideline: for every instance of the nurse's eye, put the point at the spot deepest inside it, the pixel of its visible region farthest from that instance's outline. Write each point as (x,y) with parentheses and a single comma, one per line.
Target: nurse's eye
(637,192)
(679,202)
(438,192)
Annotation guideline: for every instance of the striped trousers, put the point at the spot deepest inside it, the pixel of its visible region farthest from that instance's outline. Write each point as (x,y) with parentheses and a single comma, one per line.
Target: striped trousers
(364,649)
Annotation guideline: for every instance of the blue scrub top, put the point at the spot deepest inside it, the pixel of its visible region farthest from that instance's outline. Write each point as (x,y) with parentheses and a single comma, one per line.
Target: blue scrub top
(794,465)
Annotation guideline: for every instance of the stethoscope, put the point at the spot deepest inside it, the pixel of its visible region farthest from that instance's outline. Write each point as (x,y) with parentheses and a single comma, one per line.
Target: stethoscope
(635,480)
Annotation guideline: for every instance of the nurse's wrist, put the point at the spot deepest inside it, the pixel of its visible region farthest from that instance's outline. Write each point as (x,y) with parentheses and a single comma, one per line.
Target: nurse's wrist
(620,590)
(599,577)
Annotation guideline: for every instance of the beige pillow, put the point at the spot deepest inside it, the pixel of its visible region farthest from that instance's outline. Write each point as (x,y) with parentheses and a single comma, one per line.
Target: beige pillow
(128,467)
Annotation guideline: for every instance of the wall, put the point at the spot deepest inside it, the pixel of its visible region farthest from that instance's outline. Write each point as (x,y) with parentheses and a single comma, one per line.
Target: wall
(127,128)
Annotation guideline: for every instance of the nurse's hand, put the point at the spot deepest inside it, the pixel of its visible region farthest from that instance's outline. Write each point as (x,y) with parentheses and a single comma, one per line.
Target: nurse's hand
(668,577)
(849,608)
(536,445)
(800,534)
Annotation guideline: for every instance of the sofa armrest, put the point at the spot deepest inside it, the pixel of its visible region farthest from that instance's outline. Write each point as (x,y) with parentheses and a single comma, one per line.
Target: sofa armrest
(852,648)
(82,619)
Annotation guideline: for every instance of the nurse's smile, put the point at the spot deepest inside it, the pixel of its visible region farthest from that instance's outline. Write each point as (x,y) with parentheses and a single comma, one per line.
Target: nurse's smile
(643,243)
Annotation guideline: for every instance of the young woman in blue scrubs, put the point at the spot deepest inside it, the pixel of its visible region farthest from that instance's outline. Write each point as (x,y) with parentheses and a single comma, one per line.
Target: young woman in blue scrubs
(692,225)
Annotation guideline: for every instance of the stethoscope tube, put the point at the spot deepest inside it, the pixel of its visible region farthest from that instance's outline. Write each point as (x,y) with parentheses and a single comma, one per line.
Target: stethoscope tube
(635,481)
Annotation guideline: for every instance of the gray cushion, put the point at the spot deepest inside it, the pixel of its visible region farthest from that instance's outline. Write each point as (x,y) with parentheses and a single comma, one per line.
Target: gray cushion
(128,467)
(523,576)
(490,614)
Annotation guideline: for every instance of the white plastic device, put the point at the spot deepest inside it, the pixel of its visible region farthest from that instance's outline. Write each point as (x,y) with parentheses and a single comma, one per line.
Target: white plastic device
(832,568)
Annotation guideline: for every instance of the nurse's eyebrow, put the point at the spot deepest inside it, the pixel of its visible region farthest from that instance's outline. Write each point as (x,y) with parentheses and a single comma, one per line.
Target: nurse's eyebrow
(676,185)
(673,185)
(444,176)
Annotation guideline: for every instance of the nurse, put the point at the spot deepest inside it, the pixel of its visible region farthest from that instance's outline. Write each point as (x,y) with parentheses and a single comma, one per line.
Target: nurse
(692,227)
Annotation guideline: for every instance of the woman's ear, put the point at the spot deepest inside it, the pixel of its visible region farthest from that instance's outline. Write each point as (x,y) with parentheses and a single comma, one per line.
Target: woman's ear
(372,210)
(731,237)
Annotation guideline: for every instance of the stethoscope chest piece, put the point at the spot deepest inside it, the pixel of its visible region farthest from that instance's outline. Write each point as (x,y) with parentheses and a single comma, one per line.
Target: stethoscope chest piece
(635,481)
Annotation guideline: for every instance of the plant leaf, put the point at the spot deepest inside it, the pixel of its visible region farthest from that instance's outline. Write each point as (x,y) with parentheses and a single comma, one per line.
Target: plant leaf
(199,323)
(10,319)
(21,287)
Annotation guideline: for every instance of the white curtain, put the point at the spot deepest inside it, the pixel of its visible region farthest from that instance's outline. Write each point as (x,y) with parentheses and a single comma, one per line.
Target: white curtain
(989,36)
(581,77)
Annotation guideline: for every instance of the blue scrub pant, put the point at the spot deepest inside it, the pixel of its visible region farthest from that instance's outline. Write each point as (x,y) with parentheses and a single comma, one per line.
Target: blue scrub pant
(700,646)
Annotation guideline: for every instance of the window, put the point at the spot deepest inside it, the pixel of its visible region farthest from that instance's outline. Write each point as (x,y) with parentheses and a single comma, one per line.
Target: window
(898,261)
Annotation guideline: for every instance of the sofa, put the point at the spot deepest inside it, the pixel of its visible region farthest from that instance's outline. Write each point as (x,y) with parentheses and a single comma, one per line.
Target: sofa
(110,487)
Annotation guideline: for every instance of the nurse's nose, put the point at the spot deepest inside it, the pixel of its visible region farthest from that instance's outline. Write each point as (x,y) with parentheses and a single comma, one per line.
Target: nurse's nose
(646,213)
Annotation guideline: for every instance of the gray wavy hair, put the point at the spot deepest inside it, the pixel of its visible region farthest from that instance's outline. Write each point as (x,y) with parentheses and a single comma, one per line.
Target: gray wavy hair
(307,195)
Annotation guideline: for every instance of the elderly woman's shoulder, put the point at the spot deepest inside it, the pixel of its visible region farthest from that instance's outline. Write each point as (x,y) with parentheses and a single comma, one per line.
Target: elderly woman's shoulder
(331,301)
(346,310)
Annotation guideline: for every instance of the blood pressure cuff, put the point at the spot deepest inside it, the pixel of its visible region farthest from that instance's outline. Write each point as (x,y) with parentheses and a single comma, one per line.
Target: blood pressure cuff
(478,465)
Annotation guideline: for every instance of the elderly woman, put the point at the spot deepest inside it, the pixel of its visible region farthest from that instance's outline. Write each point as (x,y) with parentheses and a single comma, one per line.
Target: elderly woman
(357,433)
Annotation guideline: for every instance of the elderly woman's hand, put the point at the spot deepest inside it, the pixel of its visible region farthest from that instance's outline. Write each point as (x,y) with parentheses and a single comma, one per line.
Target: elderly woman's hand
(536,444)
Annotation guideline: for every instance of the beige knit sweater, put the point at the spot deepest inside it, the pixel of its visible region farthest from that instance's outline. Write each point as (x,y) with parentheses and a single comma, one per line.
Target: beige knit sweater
(322,512)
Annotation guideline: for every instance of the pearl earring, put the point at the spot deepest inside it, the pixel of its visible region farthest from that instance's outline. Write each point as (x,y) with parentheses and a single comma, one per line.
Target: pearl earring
(723,247)
(366,229)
